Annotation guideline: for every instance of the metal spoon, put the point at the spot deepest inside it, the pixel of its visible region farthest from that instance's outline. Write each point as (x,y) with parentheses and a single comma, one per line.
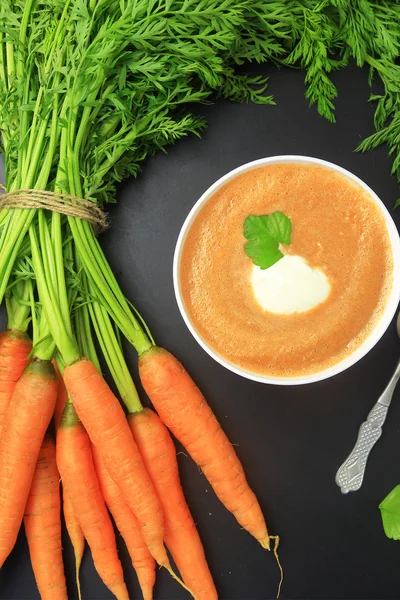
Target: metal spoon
(351,474)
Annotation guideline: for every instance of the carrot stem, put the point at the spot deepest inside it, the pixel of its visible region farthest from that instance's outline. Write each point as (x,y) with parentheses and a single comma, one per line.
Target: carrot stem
(113,354)
(109,344)
(18,306)
(106,286)
(55,319)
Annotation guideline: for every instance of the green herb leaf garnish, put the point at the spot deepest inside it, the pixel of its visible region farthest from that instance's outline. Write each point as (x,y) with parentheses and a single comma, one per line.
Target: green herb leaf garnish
(390,511)
(265,233)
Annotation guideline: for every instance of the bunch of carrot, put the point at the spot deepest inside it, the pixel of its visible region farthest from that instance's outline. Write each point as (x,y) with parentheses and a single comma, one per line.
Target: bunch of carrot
(87,89)
(109,461)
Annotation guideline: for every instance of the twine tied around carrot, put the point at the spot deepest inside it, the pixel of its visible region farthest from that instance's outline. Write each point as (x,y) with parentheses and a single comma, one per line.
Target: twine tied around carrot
(66,204)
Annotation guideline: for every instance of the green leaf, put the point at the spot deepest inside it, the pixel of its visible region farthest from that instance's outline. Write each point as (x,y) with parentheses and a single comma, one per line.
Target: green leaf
(265,233)
(264,252)
(390,511)
(280,227)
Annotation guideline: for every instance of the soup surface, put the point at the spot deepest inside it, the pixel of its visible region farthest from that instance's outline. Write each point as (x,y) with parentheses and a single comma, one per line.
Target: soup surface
(337,229)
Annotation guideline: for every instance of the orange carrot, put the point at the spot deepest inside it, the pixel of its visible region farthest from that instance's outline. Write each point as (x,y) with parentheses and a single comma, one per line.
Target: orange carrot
(105,422)
(128,526)
(181,536)
(75,535)
(43,525)
(184,410)
(27,418)
(15,347)
(71,522)
(75,464)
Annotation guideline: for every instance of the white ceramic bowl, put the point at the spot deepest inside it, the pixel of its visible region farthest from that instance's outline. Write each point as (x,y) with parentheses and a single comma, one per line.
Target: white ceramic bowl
(375,334)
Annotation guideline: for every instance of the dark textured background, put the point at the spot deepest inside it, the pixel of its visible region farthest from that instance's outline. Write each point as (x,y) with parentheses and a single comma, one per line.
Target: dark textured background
(291,440)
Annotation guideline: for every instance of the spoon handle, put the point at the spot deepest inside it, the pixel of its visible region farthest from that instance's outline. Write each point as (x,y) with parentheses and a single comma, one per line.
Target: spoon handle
(351,474)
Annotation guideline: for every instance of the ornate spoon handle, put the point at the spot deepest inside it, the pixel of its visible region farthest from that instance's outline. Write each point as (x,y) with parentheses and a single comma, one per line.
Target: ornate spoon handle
(351,474)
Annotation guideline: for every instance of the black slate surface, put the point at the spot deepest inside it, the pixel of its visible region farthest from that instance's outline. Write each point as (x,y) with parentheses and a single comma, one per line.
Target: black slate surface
(291,440)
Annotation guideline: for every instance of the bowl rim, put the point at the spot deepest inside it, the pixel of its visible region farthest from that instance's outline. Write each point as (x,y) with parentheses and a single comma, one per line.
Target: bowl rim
(381,325)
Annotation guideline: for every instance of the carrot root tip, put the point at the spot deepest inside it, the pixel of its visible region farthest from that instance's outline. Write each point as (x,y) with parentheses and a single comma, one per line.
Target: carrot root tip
(276,539)
(265,542)
(178,579)
(78,563)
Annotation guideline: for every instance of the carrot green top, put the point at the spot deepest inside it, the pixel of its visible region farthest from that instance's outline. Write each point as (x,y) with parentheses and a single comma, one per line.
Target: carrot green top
(18,306)
(110,344)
